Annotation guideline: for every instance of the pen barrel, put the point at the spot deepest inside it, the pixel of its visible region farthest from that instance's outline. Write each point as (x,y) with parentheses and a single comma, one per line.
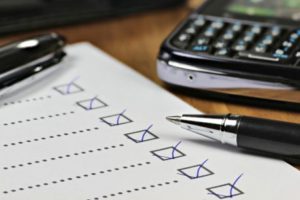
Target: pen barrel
(19,53)
(275,137)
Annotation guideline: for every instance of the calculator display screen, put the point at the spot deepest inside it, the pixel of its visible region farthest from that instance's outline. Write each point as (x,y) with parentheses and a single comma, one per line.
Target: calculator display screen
(289,9)
(283,12)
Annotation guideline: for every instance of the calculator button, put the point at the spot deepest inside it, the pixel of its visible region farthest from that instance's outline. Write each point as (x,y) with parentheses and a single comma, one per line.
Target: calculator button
(249,36)
(182,40)
(220,44)
(279,52)
(267,40)
(275,31)
(184,37)
(210,32)
(260,48)
(222,52)
(294,37)
(203,41)
(200,21)
(281,56)
(240,45)
(287,44)
(228,35)
(256,29)
(200,48)
(217,25)
(191,30)
(236,27)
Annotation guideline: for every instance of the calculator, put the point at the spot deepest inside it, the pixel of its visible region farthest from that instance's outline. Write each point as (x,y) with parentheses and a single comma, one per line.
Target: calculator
(254,40)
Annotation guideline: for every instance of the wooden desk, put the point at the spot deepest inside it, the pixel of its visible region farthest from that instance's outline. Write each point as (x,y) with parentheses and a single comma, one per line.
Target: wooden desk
(135,40)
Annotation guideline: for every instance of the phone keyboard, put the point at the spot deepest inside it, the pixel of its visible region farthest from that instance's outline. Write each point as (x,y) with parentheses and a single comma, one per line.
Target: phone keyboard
(239,40)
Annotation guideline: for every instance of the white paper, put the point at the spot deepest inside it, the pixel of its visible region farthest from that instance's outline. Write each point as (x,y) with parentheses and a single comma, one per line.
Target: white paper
(97,130)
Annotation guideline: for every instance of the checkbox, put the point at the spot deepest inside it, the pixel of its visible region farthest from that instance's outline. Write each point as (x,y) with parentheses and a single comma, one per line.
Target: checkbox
(141,136)
(67,89)
(225,191)
(116,120)
(168,153)
(91,104)
(196,171)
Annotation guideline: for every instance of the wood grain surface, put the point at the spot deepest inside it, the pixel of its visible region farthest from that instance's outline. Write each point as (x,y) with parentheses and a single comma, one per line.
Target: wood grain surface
(135,40)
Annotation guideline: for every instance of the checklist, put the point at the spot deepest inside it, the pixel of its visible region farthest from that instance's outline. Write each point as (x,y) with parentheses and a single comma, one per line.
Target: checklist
(96,130)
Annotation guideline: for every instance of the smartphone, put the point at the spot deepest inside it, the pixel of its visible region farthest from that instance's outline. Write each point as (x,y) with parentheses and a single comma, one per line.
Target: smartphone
(234,44)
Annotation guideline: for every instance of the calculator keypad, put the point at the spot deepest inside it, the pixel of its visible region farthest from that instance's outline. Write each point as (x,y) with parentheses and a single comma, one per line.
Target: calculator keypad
(240,41)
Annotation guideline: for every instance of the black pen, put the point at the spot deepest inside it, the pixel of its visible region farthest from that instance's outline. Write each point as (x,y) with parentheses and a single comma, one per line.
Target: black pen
(24,61)
(274,138)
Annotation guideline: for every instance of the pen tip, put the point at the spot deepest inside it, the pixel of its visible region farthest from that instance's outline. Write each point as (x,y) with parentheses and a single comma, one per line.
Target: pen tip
(174,119)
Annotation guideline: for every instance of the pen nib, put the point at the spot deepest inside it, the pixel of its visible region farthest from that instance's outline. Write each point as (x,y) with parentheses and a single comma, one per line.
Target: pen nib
(174,119)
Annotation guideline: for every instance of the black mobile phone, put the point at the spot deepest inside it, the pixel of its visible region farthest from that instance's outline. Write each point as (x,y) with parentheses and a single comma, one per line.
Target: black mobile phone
(235,44)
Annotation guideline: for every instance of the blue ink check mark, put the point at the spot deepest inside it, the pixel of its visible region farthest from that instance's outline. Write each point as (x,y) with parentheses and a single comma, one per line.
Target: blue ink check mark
(200,167)
(231,190)
(70,84)
(119,117)
(233,185)
(175,149)
(145,133)
(91,103)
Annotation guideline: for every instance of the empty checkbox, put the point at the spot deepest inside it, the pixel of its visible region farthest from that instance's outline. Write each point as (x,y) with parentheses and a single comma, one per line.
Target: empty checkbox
(91,104)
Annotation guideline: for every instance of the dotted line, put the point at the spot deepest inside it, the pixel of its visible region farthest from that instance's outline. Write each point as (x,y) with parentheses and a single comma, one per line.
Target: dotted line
(78,177)
(27,100)
(37,118)
(50,137)
(137,189)
(62,157)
